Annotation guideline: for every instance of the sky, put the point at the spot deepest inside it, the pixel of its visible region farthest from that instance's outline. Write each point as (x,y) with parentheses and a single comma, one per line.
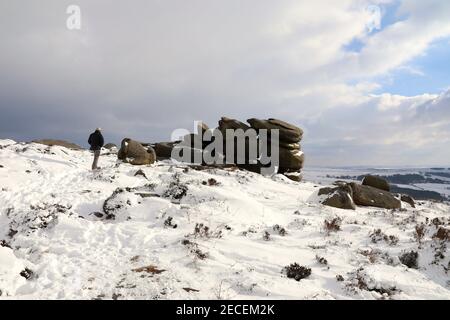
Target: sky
(368,81)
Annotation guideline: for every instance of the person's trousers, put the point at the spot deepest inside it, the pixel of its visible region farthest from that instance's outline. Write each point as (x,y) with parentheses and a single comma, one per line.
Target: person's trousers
(96,156)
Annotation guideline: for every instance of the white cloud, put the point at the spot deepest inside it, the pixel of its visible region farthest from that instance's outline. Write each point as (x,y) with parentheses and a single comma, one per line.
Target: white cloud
(408,130)
(143,68)
(402,41)
(412,70)
(389,101)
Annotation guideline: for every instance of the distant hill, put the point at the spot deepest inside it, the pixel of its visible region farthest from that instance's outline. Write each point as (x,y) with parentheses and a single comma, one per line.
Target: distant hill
(419,194)
(409,179)
(62,143)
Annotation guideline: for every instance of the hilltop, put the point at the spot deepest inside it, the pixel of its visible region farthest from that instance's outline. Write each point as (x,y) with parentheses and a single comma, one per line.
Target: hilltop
(170,231)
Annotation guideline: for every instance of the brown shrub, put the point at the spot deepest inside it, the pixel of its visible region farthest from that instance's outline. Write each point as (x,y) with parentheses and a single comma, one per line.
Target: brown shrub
(378,235)
(296,271)
(442,234)
(333,225)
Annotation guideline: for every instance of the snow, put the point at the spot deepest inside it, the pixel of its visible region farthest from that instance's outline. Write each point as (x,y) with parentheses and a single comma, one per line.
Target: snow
(55,203)
(10,268)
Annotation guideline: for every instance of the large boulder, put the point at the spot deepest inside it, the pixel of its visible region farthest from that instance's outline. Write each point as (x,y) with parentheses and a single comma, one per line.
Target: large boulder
(243,160)
(338,197)
(61,143)
(227,123)
(134,153)
(288,132)
(376,182)
(289,145)
(285,145)
(291,160)
(372,197)
(163,150)
(295,175)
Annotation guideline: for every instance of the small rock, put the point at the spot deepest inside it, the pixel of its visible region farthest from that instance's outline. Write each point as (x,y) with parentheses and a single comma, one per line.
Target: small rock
(322,260)
(140,172)
(109,146)
(27,274)
(190,290)
(12,233)
(3,243)
(116,296)
(409,259)
(280,230)
(168,223)
(211,182)
(98,214)
(408,199)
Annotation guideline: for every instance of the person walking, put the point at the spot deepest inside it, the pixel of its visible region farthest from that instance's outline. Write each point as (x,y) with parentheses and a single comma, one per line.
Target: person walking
(96,142)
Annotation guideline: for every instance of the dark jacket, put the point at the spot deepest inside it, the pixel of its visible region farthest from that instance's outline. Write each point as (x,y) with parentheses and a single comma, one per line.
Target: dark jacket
(96,140)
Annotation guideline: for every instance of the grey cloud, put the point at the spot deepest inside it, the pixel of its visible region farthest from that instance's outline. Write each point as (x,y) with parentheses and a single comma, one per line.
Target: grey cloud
(143,68)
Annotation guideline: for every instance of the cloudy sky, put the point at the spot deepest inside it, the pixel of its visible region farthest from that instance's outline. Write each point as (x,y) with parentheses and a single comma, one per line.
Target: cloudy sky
(367,88)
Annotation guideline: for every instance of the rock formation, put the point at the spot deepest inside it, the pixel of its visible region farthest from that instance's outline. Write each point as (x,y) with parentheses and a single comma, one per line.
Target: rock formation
(372,197)
(362,194)
(134,153)
(291,158)
(338,197)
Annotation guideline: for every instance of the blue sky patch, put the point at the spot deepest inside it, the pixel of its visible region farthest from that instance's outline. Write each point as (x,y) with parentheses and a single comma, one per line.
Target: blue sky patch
(428,73)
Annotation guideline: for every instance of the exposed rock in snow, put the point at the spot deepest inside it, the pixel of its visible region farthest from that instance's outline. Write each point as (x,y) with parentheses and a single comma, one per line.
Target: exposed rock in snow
(201,234)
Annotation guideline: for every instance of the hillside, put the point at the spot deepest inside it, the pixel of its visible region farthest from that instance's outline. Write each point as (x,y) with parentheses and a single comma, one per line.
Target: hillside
(172,232)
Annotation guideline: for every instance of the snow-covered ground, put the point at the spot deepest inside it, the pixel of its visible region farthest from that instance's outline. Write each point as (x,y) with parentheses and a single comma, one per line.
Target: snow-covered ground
(179,233)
